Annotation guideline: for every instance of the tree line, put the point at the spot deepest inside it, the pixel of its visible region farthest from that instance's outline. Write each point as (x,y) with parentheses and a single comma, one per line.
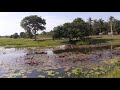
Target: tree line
(31,24)
(78,28)
(75,30)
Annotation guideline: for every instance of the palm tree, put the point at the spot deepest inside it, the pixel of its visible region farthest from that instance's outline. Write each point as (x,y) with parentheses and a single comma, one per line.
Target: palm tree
(90,24)
(111,24)
(101,24)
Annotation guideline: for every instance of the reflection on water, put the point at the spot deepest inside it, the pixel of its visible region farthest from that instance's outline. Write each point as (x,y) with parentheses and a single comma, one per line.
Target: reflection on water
(15,56)
(11,55)
(50,53)
(85,50)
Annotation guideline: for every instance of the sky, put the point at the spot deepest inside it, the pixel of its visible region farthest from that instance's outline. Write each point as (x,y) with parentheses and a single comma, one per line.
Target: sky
(10,21)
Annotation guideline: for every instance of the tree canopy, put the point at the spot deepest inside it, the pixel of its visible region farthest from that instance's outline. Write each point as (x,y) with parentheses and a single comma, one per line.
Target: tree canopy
(32,24)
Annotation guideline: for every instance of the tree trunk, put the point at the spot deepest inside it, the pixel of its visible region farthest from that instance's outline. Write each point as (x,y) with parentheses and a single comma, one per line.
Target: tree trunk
(111,29)
(35,35)
(70,39)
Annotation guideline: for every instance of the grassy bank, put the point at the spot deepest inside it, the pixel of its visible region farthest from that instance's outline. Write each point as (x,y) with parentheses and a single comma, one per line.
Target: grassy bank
(48,42)
(8,42)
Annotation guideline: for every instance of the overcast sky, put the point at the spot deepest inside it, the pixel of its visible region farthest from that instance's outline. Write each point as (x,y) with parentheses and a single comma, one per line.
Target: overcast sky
(10,21)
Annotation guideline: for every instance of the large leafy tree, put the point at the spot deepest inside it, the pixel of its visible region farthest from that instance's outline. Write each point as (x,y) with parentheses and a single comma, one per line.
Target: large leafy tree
(33,23)
(73,31)
(15,35)
(95,27)
(58,32)
(116,26)
(80,28)
(22,34)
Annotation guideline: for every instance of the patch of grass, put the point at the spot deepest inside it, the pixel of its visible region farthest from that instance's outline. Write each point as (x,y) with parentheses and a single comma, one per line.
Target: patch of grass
(8,42)
(48,42)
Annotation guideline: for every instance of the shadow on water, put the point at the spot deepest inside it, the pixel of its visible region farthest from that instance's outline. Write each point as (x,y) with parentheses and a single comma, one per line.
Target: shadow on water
(87,41)
(85,50)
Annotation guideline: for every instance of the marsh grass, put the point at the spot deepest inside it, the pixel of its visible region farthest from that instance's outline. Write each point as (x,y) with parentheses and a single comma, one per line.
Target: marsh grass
(48,42)
(8,42)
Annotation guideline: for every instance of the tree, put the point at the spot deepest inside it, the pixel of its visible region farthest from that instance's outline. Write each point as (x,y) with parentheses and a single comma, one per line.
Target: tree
(89,22)
(44,33)
(95,27)
(15,35)
(101,25)
(22,34)
(116,26)
(33,23)
(111,19)
(58,32)
(80,28)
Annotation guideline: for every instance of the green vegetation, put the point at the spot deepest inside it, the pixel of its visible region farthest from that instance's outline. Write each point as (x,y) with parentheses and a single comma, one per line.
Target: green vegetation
(44,41)
(32,24)
(78,32)
(8,42)
(110,70)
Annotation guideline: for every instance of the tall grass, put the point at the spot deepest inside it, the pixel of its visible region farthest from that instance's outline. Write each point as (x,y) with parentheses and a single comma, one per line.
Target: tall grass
(28,42)
(48,42)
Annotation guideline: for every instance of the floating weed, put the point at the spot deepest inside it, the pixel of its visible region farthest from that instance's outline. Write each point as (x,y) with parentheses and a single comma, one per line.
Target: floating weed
(95,68)
(55,68)
(97,73)
(22,71)
(91,71)
(75,71)
(102,72)
(6,75)
(60,77)
(12,71)
(38,70)
(68,74)
(50,73)
(29,71)
(101,68)
(41,76)
(73,67)
(67,68)
(24,76)
(56,72)
(46,68)
(11,76)
(15,75)
(18,74)
(59,67)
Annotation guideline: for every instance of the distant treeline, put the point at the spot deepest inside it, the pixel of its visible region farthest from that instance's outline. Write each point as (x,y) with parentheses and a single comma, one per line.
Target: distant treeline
(75,30)
(78,28)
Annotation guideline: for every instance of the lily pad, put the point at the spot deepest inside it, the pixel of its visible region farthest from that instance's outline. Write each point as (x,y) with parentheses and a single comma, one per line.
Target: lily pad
(24,76)
(50,73)
(68,73)
(29,71)
(41,76)
(67,68)
(60,77)
(75,71)
(22,71)
(38,70)
(56,72)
